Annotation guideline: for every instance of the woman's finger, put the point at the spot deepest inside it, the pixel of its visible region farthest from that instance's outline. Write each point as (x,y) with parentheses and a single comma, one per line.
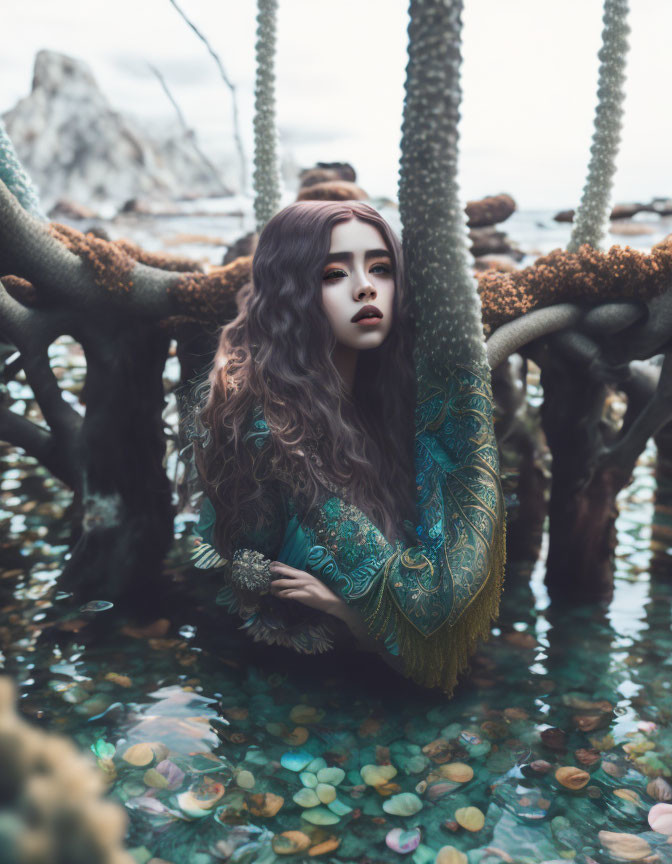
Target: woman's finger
(285,583)
(285,569)
(291,594)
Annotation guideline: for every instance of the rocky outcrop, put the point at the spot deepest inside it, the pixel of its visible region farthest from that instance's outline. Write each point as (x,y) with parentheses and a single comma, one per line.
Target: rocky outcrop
(325,171)
(490,210)
(490,241)
(76,146)
(659,206)
(332,190)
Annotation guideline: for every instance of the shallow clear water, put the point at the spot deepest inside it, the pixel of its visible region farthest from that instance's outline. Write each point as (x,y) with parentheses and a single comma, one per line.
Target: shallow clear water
(586,687)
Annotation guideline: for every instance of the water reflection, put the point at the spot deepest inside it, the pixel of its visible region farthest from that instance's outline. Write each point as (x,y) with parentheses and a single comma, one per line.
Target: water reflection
(191,723)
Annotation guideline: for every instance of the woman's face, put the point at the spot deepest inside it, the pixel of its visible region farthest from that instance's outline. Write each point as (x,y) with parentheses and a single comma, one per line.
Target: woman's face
(358,274)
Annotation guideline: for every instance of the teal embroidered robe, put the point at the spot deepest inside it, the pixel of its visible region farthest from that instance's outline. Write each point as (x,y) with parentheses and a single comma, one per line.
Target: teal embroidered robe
(429,600)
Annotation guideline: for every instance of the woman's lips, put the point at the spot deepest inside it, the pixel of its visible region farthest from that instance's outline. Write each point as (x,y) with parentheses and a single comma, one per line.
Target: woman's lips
(369,322)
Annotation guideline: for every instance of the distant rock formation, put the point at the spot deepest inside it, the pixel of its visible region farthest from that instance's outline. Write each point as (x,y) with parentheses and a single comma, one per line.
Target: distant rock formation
(486,240)
(490,210)
(490,241)
(332,190)
(76,146)
(659,206)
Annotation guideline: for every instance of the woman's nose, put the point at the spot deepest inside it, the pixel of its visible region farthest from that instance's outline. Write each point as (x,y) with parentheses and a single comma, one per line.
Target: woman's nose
(365,289)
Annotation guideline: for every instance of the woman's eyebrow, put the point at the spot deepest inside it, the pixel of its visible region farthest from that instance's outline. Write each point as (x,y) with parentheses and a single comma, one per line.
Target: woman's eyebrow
(340,256)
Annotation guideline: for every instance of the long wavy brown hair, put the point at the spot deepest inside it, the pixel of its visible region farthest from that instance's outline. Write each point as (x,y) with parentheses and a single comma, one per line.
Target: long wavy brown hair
(276,355)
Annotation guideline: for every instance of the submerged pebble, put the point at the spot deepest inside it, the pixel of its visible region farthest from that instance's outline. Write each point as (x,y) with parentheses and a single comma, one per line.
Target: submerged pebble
(143,754)
(450,855)
(304,715)
(659,789)
(334,776)
(296,760)
(325,792)
(402,841)
(320,816)
(339,808)
(457,772)
(306,798)
(328,845)
(660,818)
(470,818)
(377,775)
(290,842)
(572,778)
(265,805)
(624,847)
(404,804)
(245,779)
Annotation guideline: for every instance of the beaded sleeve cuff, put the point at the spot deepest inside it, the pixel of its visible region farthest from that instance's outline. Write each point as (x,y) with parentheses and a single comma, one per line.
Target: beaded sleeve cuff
(250,571)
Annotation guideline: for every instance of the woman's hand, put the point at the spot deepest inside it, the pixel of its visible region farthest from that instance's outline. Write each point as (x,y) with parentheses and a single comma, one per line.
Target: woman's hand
(290,583)
(308,589)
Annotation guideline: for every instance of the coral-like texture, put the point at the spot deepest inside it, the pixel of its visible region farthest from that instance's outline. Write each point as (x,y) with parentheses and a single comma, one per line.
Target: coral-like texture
(198,296)
(212,296)
(111,265)
(51,798)
(266,169)
(113,260)
(162,260)
(619,274)
(16,178)
(434,224)
(21,290)
(593,212)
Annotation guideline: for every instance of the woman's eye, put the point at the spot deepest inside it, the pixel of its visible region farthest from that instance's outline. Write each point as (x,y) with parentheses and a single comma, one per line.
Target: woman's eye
(334,274)
(381,268)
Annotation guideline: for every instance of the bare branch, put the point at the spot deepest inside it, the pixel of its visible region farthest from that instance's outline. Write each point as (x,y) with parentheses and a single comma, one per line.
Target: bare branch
(189,133)
(656,414)
(509,338)
(32,331)
(234,98)
(37,442)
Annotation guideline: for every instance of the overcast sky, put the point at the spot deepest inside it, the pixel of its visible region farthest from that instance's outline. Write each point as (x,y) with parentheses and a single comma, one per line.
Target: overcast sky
(529,81)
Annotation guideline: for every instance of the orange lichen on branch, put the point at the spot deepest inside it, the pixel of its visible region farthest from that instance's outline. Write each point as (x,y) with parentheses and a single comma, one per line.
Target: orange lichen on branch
(211,296)
(589,275)
(21,290)
(586,275)
(198,296)
(111,265)
(162,260)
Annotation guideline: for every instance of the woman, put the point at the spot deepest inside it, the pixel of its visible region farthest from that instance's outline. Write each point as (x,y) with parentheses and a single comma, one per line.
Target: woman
(343,479)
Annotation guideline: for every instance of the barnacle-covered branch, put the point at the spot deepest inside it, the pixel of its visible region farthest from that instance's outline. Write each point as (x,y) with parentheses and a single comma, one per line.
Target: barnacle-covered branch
(15,177)
(82,271)
(586,275)
(266,171)
(434,227)
(593,212)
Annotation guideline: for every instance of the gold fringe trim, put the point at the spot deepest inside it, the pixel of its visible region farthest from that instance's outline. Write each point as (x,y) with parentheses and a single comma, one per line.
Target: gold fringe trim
(438,660)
